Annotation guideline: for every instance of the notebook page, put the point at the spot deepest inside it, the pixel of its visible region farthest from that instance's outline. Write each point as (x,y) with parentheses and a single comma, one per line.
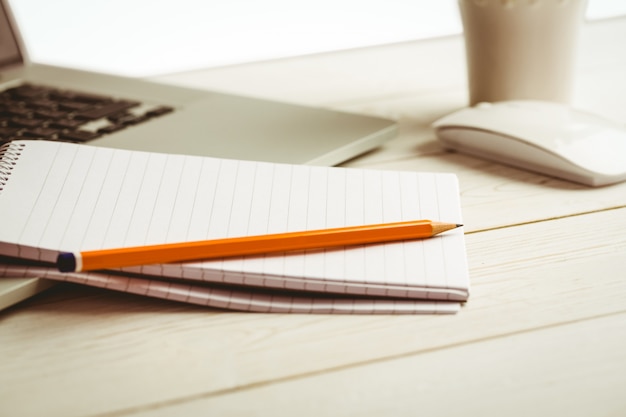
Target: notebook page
(91,198)
(432,268)
(15,198)
(239,299)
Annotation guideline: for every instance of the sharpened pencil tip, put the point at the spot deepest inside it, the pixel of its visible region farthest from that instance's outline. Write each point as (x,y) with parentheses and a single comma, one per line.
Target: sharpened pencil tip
(439,227)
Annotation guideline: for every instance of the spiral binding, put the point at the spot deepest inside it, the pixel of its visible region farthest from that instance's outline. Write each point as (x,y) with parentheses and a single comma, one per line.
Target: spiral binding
(9,154)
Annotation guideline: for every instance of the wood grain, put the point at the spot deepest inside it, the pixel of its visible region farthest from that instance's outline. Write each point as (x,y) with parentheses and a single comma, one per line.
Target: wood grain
(552,371)
(520,283)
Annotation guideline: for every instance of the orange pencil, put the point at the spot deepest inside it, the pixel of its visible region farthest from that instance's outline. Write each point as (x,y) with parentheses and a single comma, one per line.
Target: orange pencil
(249,245)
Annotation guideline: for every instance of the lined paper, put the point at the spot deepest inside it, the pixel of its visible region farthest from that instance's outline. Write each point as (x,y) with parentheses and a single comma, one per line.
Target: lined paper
(67,197)
(240,299)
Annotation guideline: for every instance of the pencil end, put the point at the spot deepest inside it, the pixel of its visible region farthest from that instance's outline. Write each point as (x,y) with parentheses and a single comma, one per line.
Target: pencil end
(66,262)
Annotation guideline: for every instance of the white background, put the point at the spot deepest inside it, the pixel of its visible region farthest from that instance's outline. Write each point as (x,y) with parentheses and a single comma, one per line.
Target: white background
(149,37)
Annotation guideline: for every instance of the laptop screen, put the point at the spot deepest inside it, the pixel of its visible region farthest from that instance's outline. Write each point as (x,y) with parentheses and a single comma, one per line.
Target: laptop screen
(9,49)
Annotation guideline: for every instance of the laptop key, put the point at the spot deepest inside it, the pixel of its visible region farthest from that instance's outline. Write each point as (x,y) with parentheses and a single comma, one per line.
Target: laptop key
(42,104)
(79,135)
(67,123)
(127,119)
(72,105)
(105,110)
(79,97)
(40,132)
(20,111)
(27,91)
(51,114)
(25,122)
(6,132)
(110,129)
(159,111)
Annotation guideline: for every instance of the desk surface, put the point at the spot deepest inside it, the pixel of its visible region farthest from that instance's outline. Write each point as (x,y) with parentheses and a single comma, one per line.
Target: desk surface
(544,332)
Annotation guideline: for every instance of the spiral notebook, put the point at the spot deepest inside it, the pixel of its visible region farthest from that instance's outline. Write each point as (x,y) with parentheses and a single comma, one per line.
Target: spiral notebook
(68,197)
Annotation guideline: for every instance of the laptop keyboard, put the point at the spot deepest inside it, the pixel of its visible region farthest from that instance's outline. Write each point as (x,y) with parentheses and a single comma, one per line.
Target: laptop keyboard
(38,112)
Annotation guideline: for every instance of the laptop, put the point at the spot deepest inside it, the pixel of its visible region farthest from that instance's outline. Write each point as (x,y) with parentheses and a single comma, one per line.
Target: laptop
(54,103)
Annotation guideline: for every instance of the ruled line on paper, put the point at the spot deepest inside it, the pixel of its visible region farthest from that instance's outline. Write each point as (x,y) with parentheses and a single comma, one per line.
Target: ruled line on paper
(38,218)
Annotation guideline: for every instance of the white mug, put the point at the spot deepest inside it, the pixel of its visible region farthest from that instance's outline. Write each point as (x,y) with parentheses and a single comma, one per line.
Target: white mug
(521,49)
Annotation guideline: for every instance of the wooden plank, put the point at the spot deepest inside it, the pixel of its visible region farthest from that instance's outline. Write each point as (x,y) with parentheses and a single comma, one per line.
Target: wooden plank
(145,351)
(572,370)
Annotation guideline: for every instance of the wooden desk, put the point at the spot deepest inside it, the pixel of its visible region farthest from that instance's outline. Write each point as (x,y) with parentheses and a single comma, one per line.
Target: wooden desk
(544,332)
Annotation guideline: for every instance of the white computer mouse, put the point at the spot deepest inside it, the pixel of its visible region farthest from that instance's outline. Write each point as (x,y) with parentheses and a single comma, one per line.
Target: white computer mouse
(545,137)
